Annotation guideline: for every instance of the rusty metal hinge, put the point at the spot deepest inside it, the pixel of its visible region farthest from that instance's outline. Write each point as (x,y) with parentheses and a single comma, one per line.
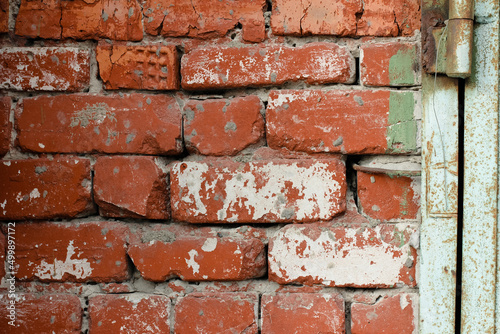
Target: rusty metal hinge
(451,53)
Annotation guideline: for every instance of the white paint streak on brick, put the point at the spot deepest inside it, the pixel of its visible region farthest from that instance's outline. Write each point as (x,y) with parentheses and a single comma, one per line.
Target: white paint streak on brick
(191,263)
(336,262)
(192,178)
(79,268)
(209,245)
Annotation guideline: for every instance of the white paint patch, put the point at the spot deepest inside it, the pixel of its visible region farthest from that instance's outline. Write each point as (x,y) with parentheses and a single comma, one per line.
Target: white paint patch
(209,245)
(3,204)
(403,301)
(191,263)
(342,262)
(34,194)
(41,145)
(79,268)
(279,99)
(191,177)
(7,163)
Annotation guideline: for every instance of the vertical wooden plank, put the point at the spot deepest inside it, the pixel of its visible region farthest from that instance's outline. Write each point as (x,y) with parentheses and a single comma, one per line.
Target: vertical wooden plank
(439,205)
(481,175)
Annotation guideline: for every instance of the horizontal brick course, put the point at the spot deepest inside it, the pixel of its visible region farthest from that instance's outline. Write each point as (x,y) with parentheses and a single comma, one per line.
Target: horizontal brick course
(88,252)
(314,63)
(342,121)
(81,123)
(261,191)
(43,188)
(44,69)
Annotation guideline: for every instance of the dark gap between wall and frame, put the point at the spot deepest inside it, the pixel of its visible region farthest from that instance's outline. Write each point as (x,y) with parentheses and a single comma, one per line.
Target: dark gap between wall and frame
(460,222)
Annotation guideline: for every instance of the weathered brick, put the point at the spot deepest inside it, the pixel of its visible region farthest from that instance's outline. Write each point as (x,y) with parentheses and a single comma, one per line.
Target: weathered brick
(80,123)
(389,64)
(131,187)
(75,253)
(315,17)
(353,256)
(43,188)
(4,16)
(44,69)
(391,315)
(388,197)
(389,18)
(314,63)
(130,313)
(303,313)
(80,19)
(223,313)
(3,250)
(5,125)
(153,67)
(348,121)
(205,256)
(205,19)
(346,18)
(262,191)
(223,126)
(53,313)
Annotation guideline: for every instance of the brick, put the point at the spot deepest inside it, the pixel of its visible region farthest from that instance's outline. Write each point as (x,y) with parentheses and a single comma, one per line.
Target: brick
(315,17)
(81,123)
(153,67)
(391,315)
(80,19)
(3,253)
(352,256)
(56,252)
(389,64)
(350,122)
(261,191)
(43,188)
(44,69)
(4,16)
(346,18)
(223,313)
(314,63)
(204,257)
(205,19)
(303,313)
(133,187)
(130,313)
(223,126)
(388,197)
(53,313)
(5,125)
(389,18)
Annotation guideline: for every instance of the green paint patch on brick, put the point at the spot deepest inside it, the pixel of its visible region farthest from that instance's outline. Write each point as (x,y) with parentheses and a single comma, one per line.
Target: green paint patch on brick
(401,67)
(402,128)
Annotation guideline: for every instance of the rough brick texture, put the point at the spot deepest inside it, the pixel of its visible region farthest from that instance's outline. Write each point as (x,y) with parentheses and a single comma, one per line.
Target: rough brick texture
(130,313)
(5,125)
(223,126)
(154,67)
(388,197)
(223,313)
(50,313)
(79,123)
(262,191)
(80,19)
(76,253)
(314,63)
(202,257)
(353,256)
(44,69)
(351,122)
(391,315)
(205,19)
(4,16)
(389,64)
(305,313)
(346,18)
(43,188)
(131,187)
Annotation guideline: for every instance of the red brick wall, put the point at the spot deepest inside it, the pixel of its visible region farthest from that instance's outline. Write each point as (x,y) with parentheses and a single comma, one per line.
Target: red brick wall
(209,166)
